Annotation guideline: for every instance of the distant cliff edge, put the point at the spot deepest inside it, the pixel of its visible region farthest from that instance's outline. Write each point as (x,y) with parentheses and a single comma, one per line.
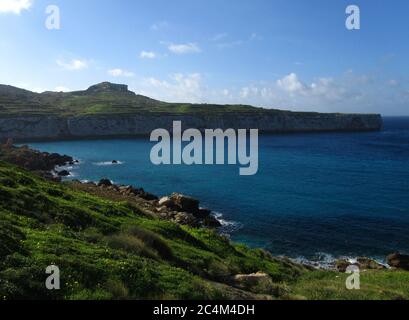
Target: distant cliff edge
(110,110)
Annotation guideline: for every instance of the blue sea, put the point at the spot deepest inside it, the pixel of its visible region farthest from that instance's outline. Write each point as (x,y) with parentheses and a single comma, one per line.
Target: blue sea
(316,196)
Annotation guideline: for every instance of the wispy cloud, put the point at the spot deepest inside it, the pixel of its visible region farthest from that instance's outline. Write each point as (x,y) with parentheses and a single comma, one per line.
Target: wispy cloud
(14,6)
(230,44)
(148,55)
(120,73)
(219,36)
(235,43)
(159,25)
(184,48)
(73,65)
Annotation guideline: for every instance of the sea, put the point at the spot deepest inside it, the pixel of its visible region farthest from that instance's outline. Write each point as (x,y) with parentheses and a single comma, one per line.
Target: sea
(316,196)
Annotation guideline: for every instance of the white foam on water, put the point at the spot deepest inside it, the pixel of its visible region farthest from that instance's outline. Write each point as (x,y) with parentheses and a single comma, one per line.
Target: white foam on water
(107,163)
(227,226)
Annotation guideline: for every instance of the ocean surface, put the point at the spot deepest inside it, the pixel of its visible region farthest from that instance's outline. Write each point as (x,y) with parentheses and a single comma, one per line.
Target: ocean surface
(316,196)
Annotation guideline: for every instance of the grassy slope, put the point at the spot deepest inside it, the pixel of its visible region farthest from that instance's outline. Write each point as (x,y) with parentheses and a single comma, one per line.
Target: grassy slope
(109,250)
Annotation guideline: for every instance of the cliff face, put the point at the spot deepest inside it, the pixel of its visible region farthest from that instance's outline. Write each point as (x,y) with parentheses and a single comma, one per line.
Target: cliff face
(54,127)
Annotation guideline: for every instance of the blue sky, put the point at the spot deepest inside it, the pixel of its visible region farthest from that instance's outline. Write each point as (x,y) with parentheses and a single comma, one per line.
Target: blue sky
(288,54)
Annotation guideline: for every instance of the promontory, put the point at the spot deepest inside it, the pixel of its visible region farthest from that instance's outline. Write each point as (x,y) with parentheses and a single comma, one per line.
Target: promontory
(111,110)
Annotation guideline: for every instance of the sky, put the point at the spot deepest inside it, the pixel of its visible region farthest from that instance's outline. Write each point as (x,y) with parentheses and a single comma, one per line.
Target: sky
(285,54)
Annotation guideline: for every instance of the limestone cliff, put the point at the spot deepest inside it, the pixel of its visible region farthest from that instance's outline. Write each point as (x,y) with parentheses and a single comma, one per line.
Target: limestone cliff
(51,127)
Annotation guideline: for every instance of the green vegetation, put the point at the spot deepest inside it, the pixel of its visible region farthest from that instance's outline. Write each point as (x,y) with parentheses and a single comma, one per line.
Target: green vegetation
(107,249)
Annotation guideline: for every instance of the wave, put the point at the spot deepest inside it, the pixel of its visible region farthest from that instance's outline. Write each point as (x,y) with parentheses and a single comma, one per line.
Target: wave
(327,261)
(228,226)
(107,163)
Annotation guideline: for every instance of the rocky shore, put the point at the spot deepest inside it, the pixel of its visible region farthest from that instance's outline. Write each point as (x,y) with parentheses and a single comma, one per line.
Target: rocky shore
(177,207)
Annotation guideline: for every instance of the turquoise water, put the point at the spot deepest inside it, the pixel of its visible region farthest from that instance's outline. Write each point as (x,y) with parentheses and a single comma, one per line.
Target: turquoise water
(339,194)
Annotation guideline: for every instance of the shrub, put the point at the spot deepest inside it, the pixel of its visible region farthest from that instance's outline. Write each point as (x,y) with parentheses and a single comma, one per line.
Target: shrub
(130,244)
(153,241)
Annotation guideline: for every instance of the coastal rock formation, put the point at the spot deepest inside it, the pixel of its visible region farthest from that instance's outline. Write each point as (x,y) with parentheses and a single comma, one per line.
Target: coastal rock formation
(362,262)
(40,162)
(185,208)
(259,282)
(54,128)
(398,261)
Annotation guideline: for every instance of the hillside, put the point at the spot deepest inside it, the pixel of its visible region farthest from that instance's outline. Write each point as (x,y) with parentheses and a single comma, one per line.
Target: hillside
(111,110)
(101,99)
(110,246)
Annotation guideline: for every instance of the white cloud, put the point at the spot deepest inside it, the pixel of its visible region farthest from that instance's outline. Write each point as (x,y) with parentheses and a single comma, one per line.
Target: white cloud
(148,55)
(348,92)
(120,73)
(291,83)
(14,6)
(184,48)
(73,65)
(61,89)
(179,87)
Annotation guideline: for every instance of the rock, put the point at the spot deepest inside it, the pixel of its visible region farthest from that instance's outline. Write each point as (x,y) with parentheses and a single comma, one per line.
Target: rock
(147,196)
(63,173)
(341,265)
(185,203)
(104,183)
(362,263)
(114,162)
(203,213)
(369,264)
(398,261)
(211,222)
(255,282)
(166,202)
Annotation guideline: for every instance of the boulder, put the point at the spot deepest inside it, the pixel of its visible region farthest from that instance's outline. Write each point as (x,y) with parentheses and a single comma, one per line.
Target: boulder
(166,202)
(185,203)
(147,196)
(211,222)
(369,264)
(398,261)
(104,183)
(63,173)
(341,265)
(362,263)
(255,282)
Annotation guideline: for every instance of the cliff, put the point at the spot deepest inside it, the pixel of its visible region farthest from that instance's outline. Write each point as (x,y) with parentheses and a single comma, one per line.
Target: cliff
(108,110)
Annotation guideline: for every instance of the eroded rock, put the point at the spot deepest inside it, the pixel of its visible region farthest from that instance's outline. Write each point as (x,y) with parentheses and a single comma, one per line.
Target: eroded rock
(398,261)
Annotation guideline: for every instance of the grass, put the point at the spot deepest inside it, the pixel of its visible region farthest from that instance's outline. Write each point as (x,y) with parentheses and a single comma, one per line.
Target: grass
(108,249)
